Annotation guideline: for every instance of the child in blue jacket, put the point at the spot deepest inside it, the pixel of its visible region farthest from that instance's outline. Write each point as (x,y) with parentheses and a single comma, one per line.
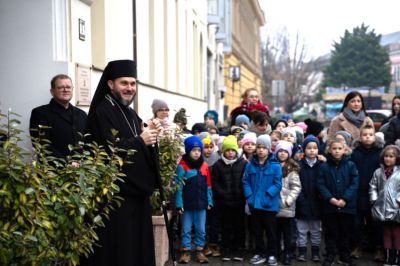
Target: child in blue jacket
(262,182)
(193,198)
(338,184)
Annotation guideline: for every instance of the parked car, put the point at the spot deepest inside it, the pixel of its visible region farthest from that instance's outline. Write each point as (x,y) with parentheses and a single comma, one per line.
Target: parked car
(378,116)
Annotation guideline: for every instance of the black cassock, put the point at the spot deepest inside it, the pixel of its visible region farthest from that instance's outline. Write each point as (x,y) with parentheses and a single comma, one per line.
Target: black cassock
(127,238)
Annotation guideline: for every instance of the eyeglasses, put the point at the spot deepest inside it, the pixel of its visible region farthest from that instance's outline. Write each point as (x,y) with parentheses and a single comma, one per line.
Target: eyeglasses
(67,88)
(163,110)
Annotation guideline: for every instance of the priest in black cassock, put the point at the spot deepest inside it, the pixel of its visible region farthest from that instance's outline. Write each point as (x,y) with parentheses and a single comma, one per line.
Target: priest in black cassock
(127,238)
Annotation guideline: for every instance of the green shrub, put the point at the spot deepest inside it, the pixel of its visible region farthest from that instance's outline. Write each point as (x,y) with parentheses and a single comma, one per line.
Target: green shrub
(170,145)
(50,207)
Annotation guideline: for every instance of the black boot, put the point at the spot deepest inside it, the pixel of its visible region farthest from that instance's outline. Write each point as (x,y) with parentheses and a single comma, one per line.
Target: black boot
(396,257)
(388,257)
(302,254)
(287,258)
(315,254)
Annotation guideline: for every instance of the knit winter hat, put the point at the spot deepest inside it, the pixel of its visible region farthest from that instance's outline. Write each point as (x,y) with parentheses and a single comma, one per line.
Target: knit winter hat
(284,145)
(212,114)
(302,125)
(242,119)
(236,130)
(198,128)
(205,138)
(279,121)
(180,117)
(209,127)
(265,140)
(191,143)
(230,143)
(346,135)
(158,105)
(291,131)
(313,127)
(249,137)
(308,139)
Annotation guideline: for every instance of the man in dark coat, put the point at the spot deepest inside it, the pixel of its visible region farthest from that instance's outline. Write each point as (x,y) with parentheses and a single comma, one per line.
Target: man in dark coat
(127,238)
(61,120)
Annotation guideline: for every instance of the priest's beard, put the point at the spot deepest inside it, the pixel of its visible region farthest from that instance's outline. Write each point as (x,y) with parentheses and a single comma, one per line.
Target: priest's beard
(119,98)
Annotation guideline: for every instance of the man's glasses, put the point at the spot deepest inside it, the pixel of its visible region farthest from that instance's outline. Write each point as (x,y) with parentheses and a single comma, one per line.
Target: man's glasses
(67,88)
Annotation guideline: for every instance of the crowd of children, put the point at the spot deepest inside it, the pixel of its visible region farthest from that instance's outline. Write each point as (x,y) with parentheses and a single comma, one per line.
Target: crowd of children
(287,181)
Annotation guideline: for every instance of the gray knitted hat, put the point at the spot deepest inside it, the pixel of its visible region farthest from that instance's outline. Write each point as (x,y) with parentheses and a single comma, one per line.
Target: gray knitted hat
(264,140)
(158,105)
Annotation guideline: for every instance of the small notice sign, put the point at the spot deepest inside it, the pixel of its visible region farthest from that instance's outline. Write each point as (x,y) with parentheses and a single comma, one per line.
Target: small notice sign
(82,88)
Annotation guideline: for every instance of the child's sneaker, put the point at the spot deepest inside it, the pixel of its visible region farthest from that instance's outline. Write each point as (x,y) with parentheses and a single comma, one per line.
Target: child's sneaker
(302,254)
(356,253)
(272,261)
(185,257)
(345,262)
(215,250)
(257,259)
(226,255)
(237,257)
(200,257)
(315,254)
(207,250)
(329,260)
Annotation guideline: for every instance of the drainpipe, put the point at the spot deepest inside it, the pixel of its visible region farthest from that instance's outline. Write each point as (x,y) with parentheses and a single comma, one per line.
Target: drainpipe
(135,101)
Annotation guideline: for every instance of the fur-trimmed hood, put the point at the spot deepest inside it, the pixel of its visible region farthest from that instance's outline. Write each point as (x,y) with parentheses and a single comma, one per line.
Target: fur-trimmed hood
(377,144)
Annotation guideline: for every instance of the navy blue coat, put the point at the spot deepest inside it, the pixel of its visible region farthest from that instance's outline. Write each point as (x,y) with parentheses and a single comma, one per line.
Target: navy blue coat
(338,180)
(366,161)
(308,204)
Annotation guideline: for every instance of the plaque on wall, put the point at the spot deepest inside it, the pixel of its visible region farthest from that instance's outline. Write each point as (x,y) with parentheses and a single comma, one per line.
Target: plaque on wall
(82,88)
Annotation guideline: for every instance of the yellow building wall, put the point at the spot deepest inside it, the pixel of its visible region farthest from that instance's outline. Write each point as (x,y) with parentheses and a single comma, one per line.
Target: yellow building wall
(247,80)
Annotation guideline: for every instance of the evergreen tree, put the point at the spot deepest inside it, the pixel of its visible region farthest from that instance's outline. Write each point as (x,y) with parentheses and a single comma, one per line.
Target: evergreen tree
(358,60)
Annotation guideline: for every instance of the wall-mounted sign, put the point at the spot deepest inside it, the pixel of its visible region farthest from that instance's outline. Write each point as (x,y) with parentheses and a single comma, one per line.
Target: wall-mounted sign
(82,88)
(234,73)
(82,30)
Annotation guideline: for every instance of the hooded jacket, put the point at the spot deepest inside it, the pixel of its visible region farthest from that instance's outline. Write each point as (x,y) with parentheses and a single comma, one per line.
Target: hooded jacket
(385,195)
(262,184)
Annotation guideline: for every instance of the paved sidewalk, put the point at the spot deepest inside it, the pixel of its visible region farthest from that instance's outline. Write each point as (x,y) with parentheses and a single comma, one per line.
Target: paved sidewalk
(366,260)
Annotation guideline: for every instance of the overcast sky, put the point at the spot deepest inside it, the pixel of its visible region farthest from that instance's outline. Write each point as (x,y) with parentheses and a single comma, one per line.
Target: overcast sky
(321,22)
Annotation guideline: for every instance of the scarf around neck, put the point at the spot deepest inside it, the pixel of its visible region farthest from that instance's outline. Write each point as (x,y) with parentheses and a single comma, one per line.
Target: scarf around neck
(227,161)
(355,118)
(192,163)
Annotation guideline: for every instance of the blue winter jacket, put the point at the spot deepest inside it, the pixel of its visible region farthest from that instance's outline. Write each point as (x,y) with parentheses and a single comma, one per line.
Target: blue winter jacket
(196,192)
(262,184)
(338,180)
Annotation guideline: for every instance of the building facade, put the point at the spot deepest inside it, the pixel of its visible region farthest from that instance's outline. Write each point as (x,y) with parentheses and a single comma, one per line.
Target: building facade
(167,39)
(239,30)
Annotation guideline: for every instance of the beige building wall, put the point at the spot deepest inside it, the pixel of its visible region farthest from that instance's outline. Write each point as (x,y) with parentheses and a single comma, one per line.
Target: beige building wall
(246,19)
(171,55)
